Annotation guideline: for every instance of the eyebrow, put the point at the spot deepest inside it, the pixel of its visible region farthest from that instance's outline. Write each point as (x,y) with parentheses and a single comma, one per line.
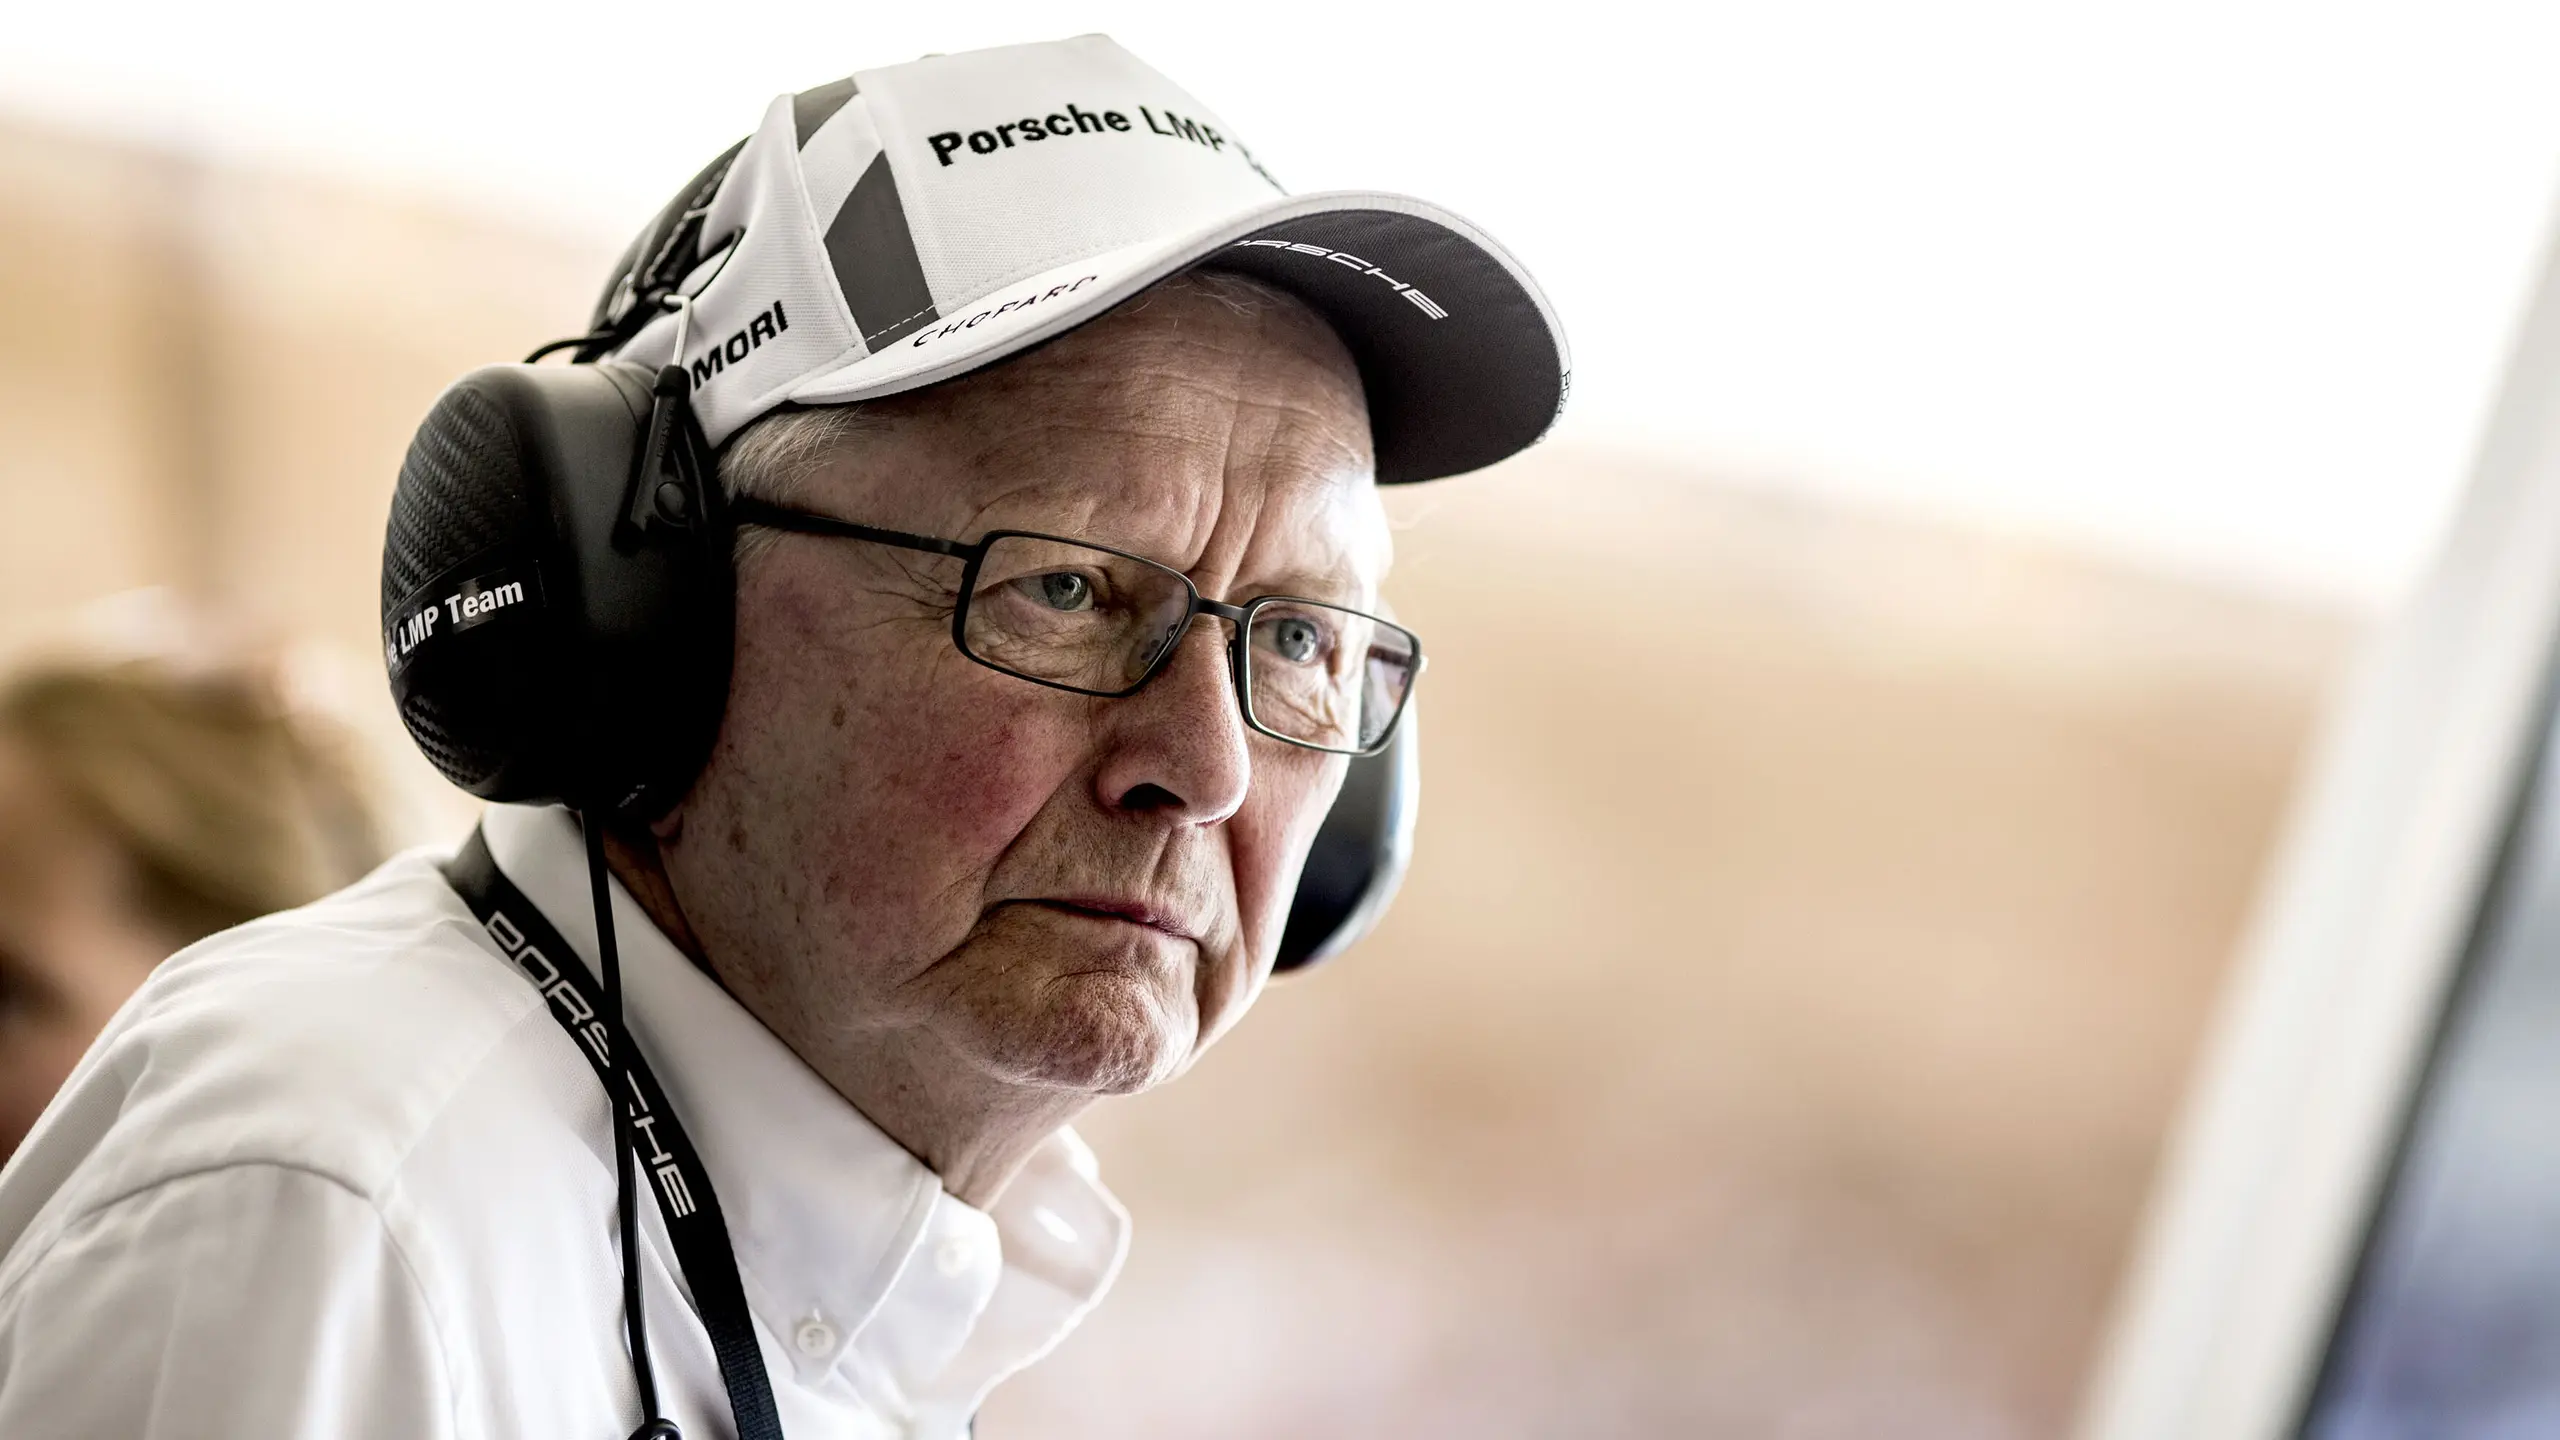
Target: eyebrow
(1335,588)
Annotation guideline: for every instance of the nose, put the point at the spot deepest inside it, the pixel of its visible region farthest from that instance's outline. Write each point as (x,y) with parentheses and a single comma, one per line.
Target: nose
(1179,747)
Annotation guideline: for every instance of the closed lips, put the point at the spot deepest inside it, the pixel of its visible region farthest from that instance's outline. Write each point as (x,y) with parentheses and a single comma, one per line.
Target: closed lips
(1136,912)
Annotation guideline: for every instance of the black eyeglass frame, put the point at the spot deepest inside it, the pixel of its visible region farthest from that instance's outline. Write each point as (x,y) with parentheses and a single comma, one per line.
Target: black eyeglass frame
(766,515)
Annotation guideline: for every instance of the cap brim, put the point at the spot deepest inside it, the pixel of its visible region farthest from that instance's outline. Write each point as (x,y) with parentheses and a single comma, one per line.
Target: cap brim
(1461,356)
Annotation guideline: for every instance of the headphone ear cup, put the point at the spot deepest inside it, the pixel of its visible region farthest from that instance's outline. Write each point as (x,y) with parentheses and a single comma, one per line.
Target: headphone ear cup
(540,645)
(1360,855)
(473,701)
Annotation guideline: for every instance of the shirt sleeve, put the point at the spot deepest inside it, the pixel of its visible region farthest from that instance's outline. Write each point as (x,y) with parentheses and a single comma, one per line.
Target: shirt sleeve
(249,1301)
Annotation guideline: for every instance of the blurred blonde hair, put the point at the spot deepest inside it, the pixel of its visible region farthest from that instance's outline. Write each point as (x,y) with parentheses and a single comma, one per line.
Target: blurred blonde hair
(229,805)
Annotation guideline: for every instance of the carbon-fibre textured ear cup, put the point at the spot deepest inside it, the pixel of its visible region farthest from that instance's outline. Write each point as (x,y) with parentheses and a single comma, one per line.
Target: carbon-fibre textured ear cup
(544,640)
(460,499)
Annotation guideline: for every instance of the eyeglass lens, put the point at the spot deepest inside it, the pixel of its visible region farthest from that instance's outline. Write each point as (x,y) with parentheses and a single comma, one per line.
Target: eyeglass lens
(1089,619)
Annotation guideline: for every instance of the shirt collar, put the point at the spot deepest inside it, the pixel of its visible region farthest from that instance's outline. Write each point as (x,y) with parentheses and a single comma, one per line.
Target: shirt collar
(850,1250)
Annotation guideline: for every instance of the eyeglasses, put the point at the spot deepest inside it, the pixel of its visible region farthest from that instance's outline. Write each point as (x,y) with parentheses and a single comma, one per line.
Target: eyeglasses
(1098,621)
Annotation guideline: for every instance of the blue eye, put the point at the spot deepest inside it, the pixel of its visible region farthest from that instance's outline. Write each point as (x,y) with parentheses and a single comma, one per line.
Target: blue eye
(1063,590)
(1294,638)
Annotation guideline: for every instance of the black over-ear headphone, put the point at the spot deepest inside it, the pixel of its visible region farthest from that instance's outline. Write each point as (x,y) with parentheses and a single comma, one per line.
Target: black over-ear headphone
(557,602)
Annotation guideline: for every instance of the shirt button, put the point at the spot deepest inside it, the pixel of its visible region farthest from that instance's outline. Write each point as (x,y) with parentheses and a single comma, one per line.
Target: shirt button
(955,1256)
(816,1339)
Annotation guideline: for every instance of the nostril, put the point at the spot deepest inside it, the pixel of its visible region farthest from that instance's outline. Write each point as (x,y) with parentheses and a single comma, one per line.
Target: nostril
(1149,796)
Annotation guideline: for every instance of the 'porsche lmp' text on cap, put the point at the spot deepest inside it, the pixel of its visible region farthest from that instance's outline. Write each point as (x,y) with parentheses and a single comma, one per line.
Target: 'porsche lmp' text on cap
(911,224)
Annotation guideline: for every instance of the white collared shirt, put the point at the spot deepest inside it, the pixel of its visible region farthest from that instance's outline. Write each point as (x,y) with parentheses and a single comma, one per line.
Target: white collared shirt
(339,1172)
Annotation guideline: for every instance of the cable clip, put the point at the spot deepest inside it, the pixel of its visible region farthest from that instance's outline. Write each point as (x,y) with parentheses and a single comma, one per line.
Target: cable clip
(667,491)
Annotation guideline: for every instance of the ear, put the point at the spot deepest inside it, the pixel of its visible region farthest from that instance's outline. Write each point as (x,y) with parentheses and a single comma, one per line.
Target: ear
(668,828)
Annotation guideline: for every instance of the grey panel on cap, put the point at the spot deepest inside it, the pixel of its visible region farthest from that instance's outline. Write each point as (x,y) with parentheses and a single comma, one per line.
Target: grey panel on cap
(812,108)
(875,261)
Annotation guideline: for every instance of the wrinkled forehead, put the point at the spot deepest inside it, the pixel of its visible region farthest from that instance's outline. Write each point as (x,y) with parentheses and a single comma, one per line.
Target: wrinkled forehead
(1212,423)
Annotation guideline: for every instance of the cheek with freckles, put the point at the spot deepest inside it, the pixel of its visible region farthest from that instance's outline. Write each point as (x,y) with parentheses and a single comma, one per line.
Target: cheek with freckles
(923,798)
(881,777)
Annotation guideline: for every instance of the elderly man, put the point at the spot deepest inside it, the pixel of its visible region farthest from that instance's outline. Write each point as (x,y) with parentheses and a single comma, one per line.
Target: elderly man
(946,602)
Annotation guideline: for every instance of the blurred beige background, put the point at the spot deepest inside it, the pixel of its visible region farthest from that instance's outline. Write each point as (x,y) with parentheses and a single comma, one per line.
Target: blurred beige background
(1815,913)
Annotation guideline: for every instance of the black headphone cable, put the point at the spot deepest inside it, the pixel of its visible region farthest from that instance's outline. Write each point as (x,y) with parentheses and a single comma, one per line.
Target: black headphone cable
(654,1425)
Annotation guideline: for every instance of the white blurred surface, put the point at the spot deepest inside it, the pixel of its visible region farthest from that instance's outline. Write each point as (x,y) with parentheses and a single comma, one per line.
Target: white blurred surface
(2222,284)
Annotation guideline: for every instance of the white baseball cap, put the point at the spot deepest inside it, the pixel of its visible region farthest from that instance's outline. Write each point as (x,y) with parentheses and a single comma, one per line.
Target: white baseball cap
(911,224)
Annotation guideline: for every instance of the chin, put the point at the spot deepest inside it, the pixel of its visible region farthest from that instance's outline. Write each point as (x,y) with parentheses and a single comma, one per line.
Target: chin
(1103,1033)
(1068,1012)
